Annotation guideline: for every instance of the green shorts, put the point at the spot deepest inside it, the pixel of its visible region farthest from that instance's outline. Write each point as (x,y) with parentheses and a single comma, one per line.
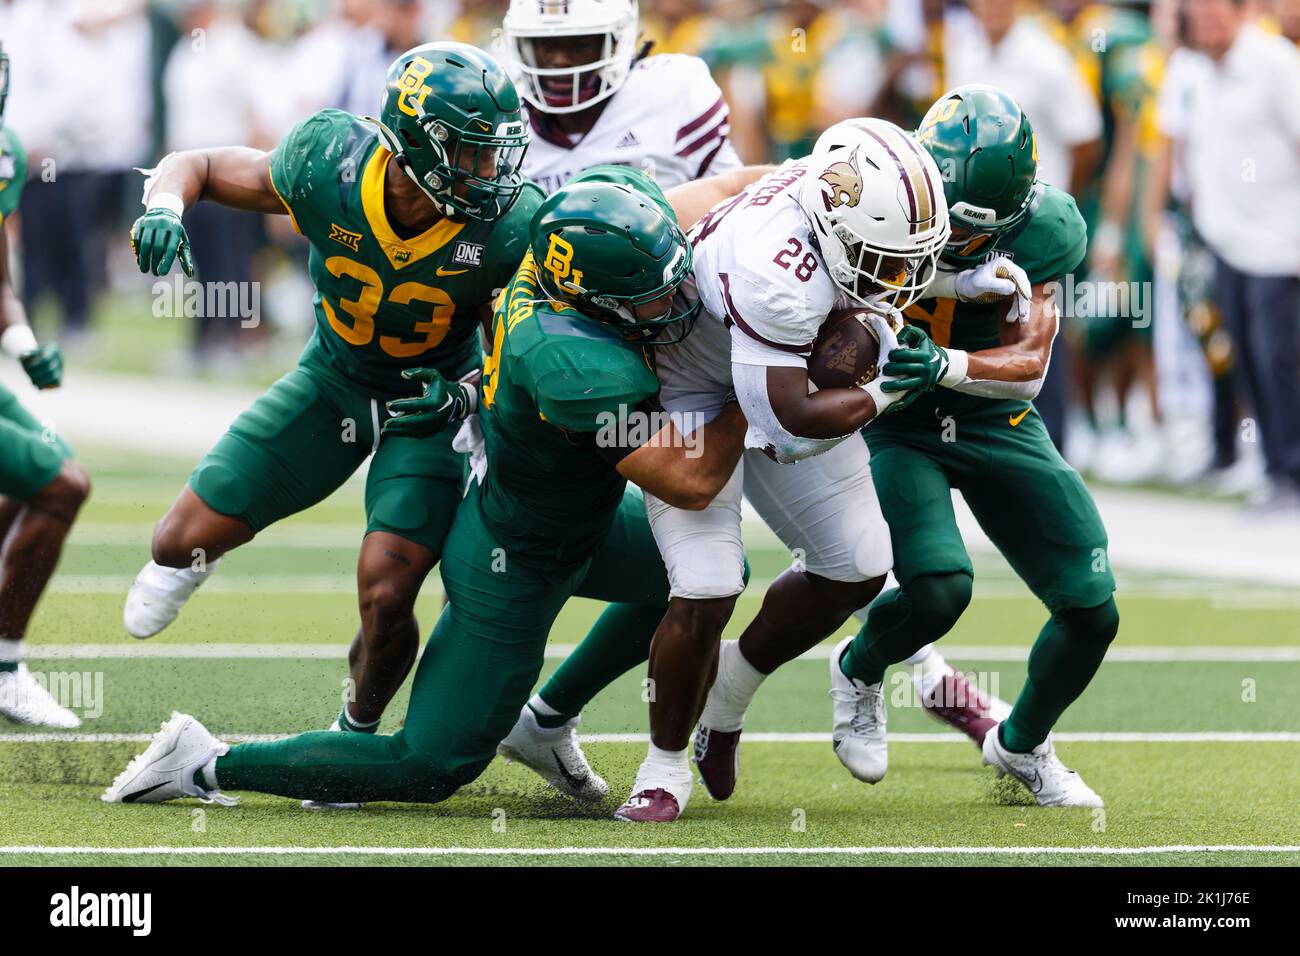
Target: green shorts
(305,436)
(487,648)
(1033,506)
(30,458)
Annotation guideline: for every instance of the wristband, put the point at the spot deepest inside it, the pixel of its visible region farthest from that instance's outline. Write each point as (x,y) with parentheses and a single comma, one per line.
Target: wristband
(942,286)
(169,201)
(471,398)
(878,395)
(958,361)
(18,340)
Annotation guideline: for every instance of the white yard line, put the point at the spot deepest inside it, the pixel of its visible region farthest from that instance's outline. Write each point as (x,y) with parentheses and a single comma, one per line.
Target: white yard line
(987,588)
(1133,654)
(1095,737)
(435,851)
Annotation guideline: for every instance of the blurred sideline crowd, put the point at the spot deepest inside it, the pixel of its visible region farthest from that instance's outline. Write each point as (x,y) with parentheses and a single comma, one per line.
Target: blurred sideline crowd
(1184,369)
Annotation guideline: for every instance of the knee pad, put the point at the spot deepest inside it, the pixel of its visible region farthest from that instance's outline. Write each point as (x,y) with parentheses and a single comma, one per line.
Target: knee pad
(1097,624)
(938,600)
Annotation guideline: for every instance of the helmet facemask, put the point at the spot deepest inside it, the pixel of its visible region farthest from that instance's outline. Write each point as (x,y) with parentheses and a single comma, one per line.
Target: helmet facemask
(467,174)
(621,311)
(876,200)
(611,28)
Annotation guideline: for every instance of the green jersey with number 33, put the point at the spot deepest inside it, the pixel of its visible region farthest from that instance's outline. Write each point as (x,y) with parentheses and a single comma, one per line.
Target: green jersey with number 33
(385,302)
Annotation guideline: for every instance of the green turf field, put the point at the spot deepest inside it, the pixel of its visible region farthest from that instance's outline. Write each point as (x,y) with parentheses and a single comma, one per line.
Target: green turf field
(1189,732)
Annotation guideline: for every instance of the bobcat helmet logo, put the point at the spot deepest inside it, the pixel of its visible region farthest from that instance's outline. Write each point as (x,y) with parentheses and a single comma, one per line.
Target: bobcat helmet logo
(559,263)
(845,182)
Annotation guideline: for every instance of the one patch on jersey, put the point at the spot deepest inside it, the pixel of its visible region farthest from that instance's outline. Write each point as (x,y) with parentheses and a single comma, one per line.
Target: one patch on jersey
(628,141)
(8,167)
(468,254)
(350,239)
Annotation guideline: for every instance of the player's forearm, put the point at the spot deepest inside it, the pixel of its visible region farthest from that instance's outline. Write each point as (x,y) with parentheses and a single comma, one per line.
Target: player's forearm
(234,176)
(688,471)
(828,413)
(690,201)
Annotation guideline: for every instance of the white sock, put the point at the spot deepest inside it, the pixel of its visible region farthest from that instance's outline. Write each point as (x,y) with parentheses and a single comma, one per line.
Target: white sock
(359,724)
(11,651)
(539,706)
(673,762)
(735,686)
(928,668)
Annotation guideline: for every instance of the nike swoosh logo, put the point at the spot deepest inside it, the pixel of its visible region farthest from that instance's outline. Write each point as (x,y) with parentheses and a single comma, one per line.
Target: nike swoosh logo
(451,272)
(576,783)
(1035,784)
(131,798)
(1014,419)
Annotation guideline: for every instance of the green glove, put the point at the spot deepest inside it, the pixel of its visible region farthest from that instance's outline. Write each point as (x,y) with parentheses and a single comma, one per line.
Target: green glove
(158,239)
(442,403)
(917,364)
(43,365)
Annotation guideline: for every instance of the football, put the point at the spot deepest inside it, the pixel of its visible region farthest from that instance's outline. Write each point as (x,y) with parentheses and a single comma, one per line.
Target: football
(846,351)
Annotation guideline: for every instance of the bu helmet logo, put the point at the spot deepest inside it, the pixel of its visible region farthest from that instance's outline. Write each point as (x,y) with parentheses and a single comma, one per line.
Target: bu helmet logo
(845,182)
(559,263)
(410,99)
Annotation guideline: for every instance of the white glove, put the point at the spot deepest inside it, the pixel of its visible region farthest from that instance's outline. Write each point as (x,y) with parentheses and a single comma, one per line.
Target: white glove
(886,326)
(993,280)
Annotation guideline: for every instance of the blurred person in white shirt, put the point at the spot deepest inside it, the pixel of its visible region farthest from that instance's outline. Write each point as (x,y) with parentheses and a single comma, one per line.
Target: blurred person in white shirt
(83,137)
(209,88)
(1004,48)
(1229,109)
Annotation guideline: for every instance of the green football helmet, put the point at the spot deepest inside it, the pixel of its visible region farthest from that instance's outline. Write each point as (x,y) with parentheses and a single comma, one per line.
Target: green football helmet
(605,249)
(452,117)
(987,155)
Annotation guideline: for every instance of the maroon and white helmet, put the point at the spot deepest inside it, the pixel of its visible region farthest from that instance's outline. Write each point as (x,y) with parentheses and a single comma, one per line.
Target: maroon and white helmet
(569,89)
(875,199)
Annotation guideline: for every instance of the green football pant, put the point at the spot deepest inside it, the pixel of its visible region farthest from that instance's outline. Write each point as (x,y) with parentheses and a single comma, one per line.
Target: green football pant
(305,436)
(30,455)
(1036,511)
(475,673)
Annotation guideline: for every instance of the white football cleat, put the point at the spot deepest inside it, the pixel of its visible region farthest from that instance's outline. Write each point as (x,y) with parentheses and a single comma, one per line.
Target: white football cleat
(322,804)
(1052,783)
(658,796)
(157,595)
(24,700)
(858,734)
(167,769)
(554,755)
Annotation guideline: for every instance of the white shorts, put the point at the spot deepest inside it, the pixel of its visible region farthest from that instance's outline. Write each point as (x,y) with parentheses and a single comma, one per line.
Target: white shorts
(824,509)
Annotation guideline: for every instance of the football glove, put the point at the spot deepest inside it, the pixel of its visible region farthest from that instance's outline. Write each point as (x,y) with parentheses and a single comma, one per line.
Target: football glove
(996,279)
(158,239)
(916,364)
(43,365)
(442,403)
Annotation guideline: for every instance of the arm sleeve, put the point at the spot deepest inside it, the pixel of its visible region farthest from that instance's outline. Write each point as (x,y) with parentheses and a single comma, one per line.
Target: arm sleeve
(700,140)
